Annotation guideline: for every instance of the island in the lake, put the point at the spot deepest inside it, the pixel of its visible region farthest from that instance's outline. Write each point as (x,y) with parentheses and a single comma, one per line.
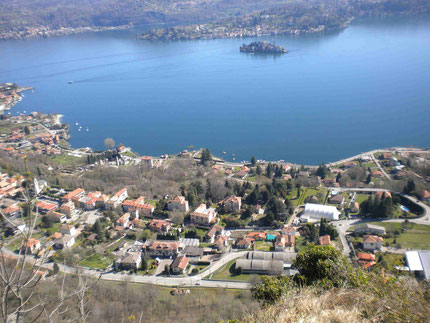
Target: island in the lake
(263,47)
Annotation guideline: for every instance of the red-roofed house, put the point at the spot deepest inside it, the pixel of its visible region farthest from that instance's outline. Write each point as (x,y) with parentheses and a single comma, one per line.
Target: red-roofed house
(160,226)
(179,203)
(77,192)
(257,236)
(366,260)
(372,242)
(30,246)
(243,243)
(44,207)
(325,240)
(232,203)
(179,264)
(283,241)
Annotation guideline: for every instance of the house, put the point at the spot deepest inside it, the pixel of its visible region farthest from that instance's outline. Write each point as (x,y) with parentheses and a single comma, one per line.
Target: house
(377,173)
(369,229)
(12,211)
(179,264)
(14,226)
(259,209)
(65,241)
(56,217)
(283,241)
(386,155)
(163,248)
(355,207)
(67,208)
(76,193)
(56,235)
(203,216)
(371,242)
(193,253)
(221,242)
(215,231)
(101,201)
(147,161)
(366,260)
(426,196)
(160,226)
(123,221)
(30,246)
(318,211)
(179,203)
(336,199)
(133,206)
(146,210)
(117,199)
(418,263)
(68,229)
(131,261)
(257,236)
(243,243)
(232,203)
(287,230)
(325,240)
(44,207)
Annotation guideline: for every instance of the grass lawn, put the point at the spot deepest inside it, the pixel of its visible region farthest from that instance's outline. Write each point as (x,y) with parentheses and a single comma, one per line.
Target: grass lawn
(417,236)
(360,198)
(262,245)
(54,228)
(225,273)
(66,160)
(96,261)
(300,244)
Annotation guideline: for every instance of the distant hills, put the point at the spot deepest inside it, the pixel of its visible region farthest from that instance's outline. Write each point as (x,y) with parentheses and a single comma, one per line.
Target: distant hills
(28,18)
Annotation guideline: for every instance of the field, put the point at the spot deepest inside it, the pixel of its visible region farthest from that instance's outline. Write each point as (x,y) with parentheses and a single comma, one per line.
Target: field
(415,236)
(226,272)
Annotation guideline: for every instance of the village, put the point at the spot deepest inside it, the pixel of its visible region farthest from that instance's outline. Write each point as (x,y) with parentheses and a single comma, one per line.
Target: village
(374,207)
(233,239)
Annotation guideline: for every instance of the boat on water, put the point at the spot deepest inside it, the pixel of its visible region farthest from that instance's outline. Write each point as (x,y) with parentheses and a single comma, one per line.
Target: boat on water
(70,82)
(87,129)
(224,152)
(76,124)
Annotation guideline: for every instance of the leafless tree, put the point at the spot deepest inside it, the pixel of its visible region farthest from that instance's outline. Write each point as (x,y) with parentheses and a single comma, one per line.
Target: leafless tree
(21,274)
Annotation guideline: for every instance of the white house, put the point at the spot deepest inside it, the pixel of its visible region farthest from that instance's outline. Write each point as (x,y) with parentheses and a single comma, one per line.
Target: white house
(372,242)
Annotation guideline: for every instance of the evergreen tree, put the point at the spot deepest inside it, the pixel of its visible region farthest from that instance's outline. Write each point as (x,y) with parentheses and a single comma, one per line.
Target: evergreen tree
(259,170)
(206,156)
(253,161)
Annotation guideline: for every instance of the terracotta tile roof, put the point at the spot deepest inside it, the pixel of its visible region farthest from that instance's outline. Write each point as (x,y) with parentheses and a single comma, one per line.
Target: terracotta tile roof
(257,235)
(366,256)
(30,242)
(73,193)
(325,240)
(180,262)
(372,239)
(244,241)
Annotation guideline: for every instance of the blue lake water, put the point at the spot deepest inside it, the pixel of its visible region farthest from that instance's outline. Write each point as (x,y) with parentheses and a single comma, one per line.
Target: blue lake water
(332,96)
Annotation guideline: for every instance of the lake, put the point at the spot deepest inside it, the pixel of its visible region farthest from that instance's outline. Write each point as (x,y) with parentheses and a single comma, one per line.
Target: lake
(332,96)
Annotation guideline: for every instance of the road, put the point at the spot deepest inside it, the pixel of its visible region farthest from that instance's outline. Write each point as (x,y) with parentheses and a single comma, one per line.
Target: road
(343,225)
(380,168)
(192,281)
